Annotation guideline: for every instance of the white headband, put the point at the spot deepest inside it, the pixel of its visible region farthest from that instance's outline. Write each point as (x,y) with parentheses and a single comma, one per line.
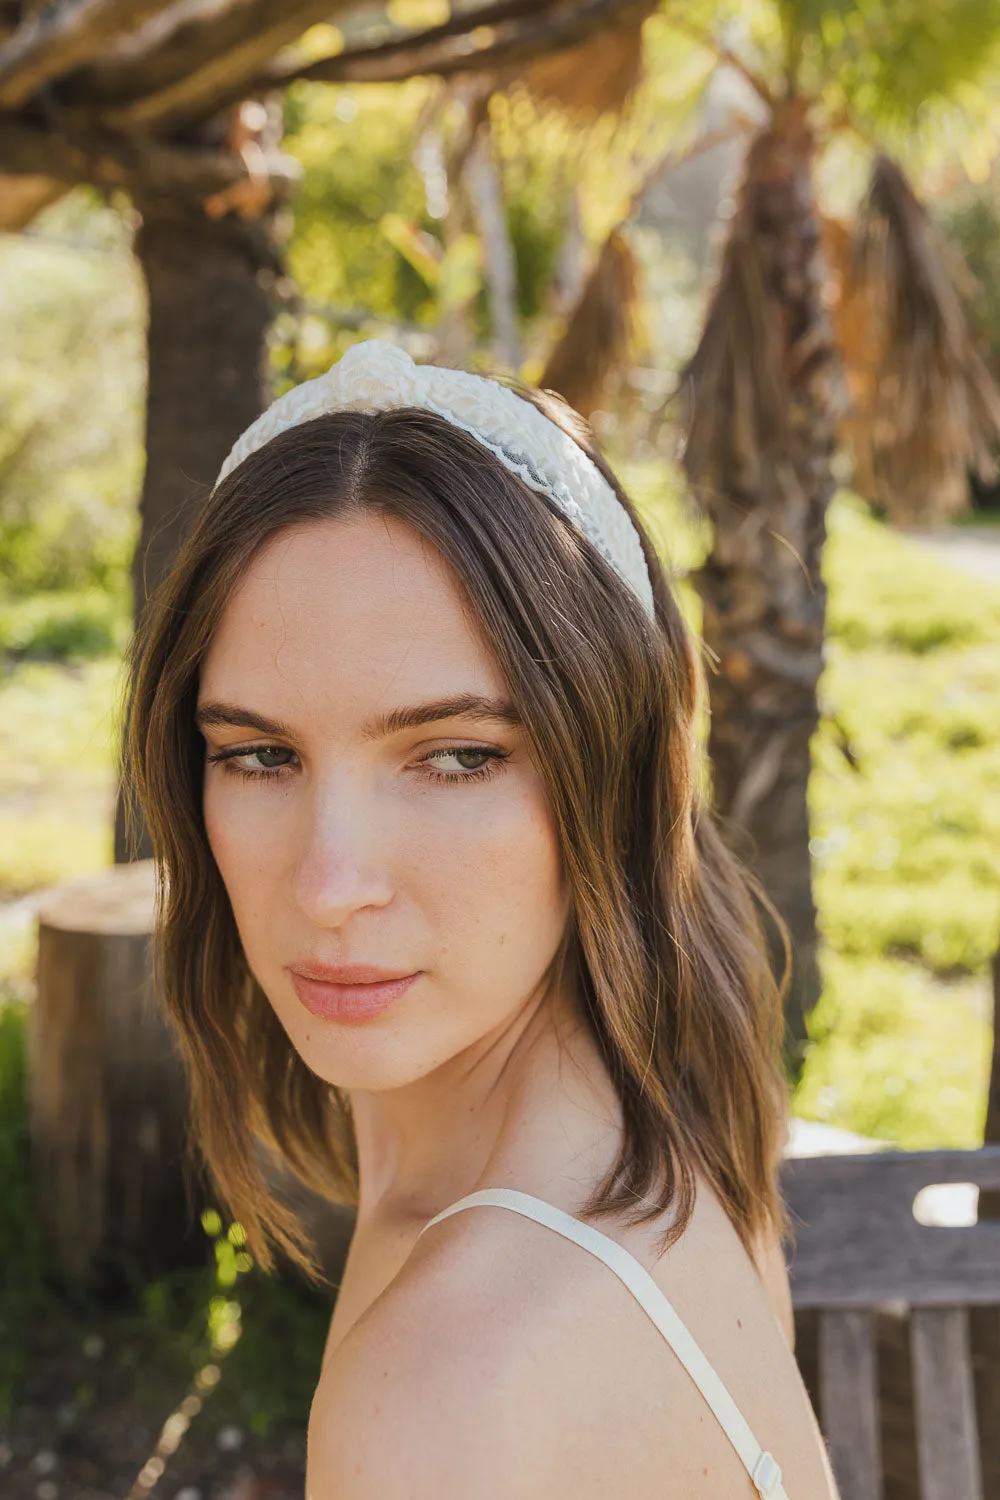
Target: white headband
(375,375)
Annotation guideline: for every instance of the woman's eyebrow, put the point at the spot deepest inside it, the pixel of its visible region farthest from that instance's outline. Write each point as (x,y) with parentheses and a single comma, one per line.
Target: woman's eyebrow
(212,714)
(458,706)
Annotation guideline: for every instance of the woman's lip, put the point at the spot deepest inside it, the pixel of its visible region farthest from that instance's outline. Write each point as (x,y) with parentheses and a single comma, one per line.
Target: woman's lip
(348,973)
(356,1001)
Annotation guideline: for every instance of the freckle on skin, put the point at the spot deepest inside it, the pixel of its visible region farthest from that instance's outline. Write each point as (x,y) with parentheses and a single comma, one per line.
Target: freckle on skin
(738,1323)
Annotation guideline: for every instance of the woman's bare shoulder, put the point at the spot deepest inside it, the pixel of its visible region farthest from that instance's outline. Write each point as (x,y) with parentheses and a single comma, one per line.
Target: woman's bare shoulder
(503,1360)
(420,1400)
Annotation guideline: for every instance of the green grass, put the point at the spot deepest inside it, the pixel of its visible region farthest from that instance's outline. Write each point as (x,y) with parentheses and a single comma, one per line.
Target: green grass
(57,758)
(22,1255)
(905,806)
(984,517)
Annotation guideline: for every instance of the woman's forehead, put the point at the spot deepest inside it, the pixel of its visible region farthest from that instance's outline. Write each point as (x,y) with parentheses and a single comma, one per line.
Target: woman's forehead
(346,615)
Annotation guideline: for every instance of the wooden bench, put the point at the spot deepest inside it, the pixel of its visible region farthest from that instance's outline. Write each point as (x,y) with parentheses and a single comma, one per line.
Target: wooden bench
(861,1264)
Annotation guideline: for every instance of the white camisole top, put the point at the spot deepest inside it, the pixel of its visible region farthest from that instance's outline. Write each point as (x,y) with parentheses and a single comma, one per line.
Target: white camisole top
(759,1464)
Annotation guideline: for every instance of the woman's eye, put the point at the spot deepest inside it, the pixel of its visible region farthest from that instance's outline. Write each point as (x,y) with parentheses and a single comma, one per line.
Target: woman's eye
(265,760)
(462,756)
(467,760)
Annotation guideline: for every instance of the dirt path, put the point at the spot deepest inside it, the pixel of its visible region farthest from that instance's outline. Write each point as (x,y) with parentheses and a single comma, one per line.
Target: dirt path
(973,549)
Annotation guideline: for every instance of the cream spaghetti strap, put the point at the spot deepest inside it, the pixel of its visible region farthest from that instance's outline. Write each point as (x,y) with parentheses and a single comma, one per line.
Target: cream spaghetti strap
(759,1464)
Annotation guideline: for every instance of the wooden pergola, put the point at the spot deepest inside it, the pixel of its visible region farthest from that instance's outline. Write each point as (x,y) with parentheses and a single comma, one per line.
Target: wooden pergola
(124,93)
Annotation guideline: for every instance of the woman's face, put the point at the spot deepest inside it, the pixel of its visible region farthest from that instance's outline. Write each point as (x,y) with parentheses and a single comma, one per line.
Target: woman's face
(372,805)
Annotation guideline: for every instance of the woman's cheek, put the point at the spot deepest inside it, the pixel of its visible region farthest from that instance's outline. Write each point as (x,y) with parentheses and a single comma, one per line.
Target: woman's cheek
(247,841)
(492,877)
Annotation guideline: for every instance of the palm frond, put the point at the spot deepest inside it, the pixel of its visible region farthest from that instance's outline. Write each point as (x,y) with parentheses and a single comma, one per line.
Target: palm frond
(599,74)
(925,407)
(602,332)
(734,385)
(762,371)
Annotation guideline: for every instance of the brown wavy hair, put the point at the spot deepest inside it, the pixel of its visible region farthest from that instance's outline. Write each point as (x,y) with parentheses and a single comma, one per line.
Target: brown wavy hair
(670,957)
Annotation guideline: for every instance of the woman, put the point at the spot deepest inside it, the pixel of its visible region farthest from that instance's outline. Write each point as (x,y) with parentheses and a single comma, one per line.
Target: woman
(445,923)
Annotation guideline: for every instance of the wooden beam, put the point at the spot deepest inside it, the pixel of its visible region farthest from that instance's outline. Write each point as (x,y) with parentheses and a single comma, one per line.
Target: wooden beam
(59,38)
(848,1398)
(148,166)
(486,45)
(191,44)
(199,69)
(947,1438)
(864,1246)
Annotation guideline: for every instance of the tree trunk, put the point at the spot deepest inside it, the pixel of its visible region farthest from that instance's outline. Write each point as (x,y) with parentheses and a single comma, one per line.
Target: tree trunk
(209,307)
(766,391)
(108,1092)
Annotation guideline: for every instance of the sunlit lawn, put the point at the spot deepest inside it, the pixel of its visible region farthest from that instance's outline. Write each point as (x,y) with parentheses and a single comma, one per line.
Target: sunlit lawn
(906,812)
(56,771)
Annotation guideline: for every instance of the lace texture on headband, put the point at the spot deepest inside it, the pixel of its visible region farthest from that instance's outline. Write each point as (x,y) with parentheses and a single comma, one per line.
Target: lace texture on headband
(375,375)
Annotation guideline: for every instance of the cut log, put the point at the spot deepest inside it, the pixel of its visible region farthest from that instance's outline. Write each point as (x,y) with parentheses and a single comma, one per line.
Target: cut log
(107,1089)
(108,1099)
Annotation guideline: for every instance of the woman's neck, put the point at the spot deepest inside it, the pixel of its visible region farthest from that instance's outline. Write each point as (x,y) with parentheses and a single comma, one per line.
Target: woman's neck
(529,1106)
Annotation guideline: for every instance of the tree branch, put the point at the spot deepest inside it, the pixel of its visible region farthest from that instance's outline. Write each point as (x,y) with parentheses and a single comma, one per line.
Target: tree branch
(485,45)
(196,70)
(148,167)
(58,38)
(725,56)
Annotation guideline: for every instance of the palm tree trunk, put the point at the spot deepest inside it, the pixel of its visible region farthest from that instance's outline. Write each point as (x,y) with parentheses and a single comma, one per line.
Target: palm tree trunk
(765,391)
(209,308)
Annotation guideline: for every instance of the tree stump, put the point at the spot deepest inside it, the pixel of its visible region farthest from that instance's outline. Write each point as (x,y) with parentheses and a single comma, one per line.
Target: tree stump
(108,1094)
(109,1098)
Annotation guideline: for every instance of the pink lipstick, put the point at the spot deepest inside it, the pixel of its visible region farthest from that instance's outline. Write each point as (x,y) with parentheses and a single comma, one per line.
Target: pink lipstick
(348,992)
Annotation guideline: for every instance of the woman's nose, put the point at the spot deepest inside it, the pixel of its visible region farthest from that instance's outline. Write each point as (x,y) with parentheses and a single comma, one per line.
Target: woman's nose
(342,867)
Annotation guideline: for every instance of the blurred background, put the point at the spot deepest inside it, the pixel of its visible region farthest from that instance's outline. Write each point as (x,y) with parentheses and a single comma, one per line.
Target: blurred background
(758,246)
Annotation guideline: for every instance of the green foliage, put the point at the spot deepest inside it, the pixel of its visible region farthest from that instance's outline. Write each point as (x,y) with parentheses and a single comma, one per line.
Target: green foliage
(72,376)
(23,1292)
(356,148)
(887,59)
(64,625)
(905,809)
(918,76)
(271,1373)
(365,241)
(972,221)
